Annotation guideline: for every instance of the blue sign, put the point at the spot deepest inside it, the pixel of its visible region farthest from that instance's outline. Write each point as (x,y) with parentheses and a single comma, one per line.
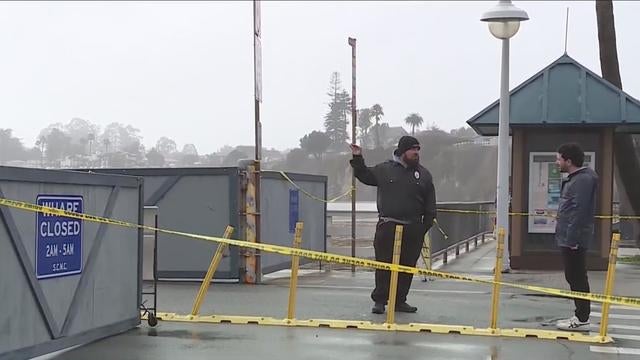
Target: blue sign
(59,238)
(294,201)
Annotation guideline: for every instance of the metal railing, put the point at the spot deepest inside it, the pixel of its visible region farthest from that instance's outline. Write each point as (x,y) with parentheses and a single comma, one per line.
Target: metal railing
(444,253)
(459,229)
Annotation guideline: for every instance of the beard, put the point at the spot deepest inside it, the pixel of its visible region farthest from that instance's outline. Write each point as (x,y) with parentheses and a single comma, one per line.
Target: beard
(412,163)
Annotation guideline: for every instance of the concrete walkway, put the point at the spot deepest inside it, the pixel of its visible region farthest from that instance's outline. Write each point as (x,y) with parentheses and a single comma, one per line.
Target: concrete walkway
(345,296)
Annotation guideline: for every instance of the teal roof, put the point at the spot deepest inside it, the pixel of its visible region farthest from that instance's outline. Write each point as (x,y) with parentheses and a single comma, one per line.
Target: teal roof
(564,93)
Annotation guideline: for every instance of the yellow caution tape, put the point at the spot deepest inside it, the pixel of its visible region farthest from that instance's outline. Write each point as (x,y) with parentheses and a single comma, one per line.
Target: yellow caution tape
(492,212)
(321,256)
(284,175)
(455,211)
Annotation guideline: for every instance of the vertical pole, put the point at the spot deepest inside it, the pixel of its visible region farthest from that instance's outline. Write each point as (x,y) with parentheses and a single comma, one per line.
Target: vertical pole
(256,216)
(502,221)
(293,281)
(155,264)
(566,32)
(252,261)
(393,287)
(213,266)
(250,256)
(497,277)
(354,117)
(608,286)
(426,253)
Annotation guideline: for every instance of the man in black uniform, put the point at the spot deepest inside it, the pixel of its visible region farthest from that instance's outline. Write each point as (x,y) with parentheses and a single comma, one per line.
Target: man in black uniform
(406,196)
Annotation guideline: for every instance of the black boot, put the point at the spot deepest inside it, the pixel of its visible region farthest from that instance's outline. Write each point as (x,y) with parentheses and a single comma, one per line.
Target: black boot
(378,308)
(406,308)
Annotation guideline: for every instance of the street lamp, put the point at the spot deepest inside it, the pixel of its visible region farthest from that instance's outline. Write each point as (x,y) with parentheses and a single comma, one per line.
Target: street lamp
(504,22)
(354,117)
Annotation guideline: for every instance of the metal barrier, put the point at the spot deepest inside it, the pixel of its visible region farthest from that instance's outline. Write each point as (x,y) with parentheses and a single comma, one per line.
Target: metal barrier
(66,282)
(201,200)
(206,200)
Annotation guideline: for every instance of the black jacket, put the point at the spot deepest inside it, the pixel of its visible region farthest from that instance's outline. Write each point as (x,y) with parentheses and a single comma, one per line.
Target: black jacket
(576,209)
(403,193)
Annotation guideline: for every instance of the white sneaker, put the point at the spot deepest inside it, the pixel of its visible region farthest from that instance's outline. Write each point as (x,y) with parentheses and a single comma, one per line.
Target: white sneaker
(573,324)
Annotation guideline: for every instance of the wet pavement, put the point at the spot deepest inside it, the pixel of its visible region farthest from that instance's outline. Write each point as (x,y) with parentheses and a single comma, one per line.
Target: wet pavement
(180,341)
(342,295)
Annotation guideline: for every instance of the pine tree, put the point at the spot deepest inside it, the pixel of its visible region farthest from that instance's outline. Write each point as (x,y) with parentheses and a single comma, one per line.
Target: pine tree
(336,119)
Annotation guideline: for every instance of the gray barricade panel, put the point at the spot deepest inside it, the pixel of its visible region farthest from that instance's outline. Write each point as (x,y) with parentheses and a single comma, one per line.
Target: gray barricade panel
(65,281)
(282,203)
(201,201)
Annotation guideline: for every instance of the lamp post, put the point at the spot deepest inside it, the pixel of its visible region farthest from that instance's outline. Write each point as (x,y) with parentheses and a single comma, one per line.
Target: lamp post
(504,21)
(354,117)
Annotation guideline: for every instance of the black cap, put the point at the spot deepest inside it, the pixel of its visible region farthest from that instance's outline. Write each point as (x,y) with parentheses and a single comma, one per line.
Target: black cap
(406,142)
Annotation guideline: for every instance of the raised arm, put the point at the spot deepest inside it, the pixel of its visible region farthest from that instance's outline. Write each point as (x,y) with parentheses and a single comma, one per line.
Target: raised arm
(365,174)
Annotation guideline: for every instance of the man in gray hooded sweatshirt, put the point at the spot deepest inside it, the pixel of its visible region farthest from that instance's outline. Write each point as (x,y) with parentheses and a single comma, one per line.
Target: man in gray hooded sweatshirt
(575,228)
(406,196)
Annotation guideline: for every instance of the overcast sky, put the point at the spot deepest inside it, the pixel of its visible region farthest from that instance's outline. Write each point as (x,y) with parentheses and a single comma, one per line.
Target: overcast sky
(185,69)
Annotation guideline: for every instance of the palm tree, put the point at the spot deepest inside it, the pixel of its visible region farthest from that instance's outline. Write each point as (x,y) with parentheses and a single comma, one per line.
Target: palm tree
(415,121)
(628,166)
(364,123)
(377,113)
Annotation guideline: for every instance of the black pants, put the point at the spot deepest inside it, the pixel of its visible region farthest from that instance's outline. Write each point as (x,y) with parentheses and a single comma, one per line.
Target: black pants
(575,271)
(412,238)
